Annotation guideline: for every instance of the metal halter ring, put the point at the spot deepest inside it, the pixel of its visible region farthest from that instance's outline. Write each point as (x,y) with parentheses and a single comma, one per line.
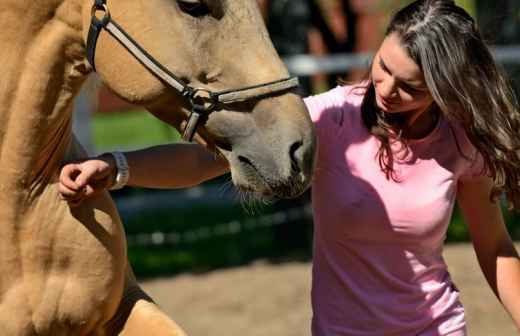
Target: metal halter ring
(201,100)
(97,7)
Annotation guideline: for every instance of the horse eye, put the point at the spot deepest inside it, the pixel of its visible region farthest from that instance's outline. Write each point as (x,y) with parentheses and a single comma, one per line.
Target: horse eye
(194,8)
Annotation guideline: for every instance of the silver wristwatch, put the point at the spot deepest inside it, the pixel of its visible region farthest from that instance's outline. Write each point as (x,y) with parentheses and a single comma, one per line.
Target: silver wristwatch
(123,171)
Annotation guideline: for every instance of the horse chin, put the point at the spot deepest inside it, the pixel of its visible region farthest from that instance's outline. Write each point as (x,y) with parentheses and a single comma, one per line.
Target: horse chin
(256,188)
(254,181)
(251,196)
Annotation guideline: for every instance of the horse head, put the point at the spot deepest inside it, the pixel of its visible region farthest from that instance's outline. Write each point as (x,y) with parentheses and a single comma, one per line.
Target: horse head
(211,60)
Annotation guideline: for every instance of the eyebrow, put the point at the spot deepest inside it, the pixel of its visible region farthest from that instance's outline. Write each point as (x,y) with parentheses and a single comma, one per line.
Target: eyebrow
(407,82)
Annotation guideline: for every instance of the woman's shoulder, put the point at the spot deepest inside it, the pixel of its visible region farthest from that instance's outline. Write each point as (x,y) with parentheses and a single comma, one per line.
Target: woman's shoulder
(471,163)
(461,139)
(333,104)
(338,96)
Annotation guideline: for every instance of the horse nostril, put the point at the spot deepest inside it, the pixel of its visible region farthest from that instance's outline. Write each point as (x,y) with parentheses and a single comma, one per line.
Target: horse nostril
(296,157)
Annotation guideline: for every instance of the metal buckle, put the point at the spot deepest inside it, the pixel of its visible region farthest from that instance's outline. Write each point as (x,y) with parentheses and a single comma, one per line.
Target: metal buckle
(96,7)
(201,100)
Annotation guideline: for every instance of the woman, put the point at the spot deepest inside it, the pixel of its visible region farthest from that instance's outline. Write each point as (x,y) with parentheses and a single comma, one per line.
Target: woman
(434,123)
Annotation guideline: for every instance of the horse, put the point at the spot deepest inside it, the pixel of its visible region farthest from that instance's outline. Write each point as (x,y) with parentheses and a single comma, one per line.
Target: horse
(206,67)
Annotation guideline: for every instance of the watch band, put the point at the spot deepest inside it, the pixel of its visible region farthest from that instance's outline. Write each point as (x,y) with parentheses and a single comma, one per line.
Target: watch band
(123,171)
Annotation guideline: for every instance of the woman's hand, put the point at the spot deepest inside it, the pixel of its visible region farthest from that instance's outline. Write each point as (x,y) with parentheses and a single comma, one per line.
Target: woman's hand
(81,180)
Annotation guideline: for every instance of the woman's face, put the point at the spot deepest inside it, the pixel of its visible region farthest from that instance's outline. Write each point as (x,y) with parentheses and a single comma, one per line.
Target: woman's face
(399,82)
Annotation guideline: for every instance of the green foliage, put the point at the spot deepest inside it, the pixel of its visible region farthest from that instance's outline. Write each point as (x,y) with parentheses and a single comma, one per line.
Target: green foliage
(183,218)
(288,241)
(458,231)
(204,255)
(130,129)
(216,251)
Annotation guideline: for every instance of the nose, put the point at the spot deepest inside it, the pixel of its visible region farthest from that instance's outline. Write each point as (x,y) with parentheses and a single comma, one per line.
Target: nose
(387,88)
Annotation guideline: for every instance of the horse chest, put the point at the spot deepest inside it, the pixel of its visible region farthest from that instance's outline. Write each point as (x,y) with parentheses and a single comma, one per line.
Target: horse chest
(62,307)
(68,270)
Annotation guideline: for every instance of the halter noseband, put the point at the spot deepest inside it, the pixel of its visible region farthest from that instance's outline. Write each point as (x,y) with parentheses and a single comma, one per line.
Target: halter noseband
(202,101)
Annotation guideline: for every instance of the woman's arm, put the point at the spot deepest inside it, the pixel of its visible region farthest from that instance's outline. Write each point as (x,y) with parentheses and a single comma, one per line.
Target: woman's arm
(174,166)
(495,251)
(177,165)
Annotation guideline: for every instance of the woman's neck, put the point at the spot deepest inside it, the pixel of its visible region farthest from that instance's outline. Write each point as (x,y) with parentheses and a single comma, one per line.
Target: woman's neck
(421,123)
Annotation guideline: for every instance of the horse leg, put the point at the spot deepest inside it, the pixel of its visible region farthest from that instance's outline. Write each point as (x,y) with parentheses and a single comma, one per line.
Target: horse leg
(138,315)
(147,319)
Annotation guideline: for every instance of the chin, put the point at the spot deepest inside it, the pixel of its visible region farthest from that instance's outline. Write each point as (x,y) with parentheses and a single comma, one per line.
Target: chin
(390,109)
(384,108)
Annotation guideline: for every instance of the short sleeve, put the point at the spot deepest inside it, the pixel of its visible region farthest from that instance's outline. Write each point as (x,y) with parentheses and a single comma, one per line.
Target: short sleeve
(473,161)
(324,110)
(475,168)
(327,109)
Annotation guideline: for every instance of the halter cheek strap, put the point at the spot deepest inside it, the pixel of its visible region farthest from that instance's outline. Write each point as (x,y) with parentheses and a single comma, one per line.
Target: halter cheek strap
(202,101)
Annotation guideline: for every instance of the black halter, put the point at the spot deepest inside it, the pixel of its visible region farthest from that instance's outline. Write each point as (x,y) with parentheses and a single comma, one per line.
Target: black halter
(201,100)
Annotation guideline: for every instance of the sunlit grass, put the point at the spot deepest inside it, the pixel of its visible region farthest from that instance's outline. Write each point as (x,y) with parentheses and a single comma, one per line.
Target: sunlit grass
(130,129)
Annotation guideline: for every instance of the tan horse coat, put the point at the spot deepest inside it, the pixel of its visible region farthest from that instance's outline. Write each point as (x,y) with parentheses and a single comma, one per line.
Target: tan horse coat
(65,271)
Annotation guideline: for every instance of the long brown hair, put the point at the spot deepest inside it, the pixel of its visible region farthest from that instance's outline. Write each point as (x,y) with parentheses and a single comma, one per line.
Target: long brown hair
(467,87)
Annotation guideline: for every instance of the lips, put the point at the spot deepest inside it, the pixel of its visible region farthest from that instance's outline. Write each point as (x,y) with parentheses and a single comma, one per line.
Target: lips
(385,102)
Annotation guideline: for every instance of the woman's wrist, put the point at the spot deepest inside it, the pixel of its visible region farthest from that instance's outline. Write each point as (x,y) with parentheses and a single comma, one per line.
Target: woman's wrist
(110,160)
(122,170)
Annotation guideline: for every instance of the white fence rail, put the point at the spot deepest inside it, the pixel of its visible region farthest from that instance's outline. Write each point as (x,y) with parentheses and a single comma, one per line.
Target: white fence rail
(307,65)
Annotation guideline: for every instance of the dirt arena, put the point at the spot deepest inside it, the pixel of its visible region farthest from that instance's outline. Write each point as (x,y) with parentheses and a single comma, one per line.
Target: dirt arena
(268,299)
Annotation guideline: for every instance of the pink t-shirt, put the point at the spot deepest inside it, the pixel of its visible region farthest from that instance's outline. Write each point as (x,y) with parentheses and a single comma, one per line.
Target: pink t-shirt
(377,264)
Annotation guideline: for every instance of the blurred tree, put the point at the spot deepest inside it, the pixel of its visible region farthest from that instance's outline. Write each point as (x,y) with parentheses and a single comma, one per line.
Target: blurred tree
(469,6)
(288,23)
(332,31)
(499,21)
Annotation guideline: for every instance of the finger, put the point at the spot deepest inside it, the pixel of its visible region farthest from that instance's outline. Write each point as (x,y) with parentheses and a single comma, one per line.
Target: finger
(102,184)
(66,192)
(87,175)
(70,195)
(68,175)
(96,187)
(89,190)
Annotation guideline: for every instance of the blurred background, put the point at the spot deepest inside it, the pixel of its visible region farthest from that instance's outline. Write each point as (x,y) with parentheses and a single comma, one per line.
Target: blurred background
(213,262)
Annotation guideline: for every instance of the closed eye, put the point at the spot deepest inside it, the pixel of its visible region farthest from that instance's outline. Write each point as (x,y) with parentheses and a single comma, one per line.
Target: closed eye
(383,66)
(195,8)
(412,89)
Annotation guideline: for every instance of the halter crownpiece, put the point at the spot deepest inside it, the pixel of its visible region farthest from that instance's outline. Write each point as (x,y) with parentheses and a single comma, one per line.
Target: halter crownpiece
(202,101)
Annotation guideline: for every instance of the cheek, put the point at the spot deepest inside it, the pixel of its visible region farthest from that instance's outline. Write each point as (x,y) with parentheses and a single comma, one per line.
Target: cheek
(410,102)
(414,99)
(407,98)
(376,74)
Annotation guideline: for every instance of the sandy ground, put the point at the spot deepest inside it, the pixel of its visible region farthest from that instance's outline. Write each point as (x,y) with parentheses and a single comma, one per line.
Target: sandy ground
(273,299)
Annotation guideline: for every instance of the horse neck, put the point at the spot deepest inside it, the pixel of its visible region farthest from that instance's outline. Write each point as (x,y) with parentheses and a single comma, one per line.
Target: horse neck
(43,68)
